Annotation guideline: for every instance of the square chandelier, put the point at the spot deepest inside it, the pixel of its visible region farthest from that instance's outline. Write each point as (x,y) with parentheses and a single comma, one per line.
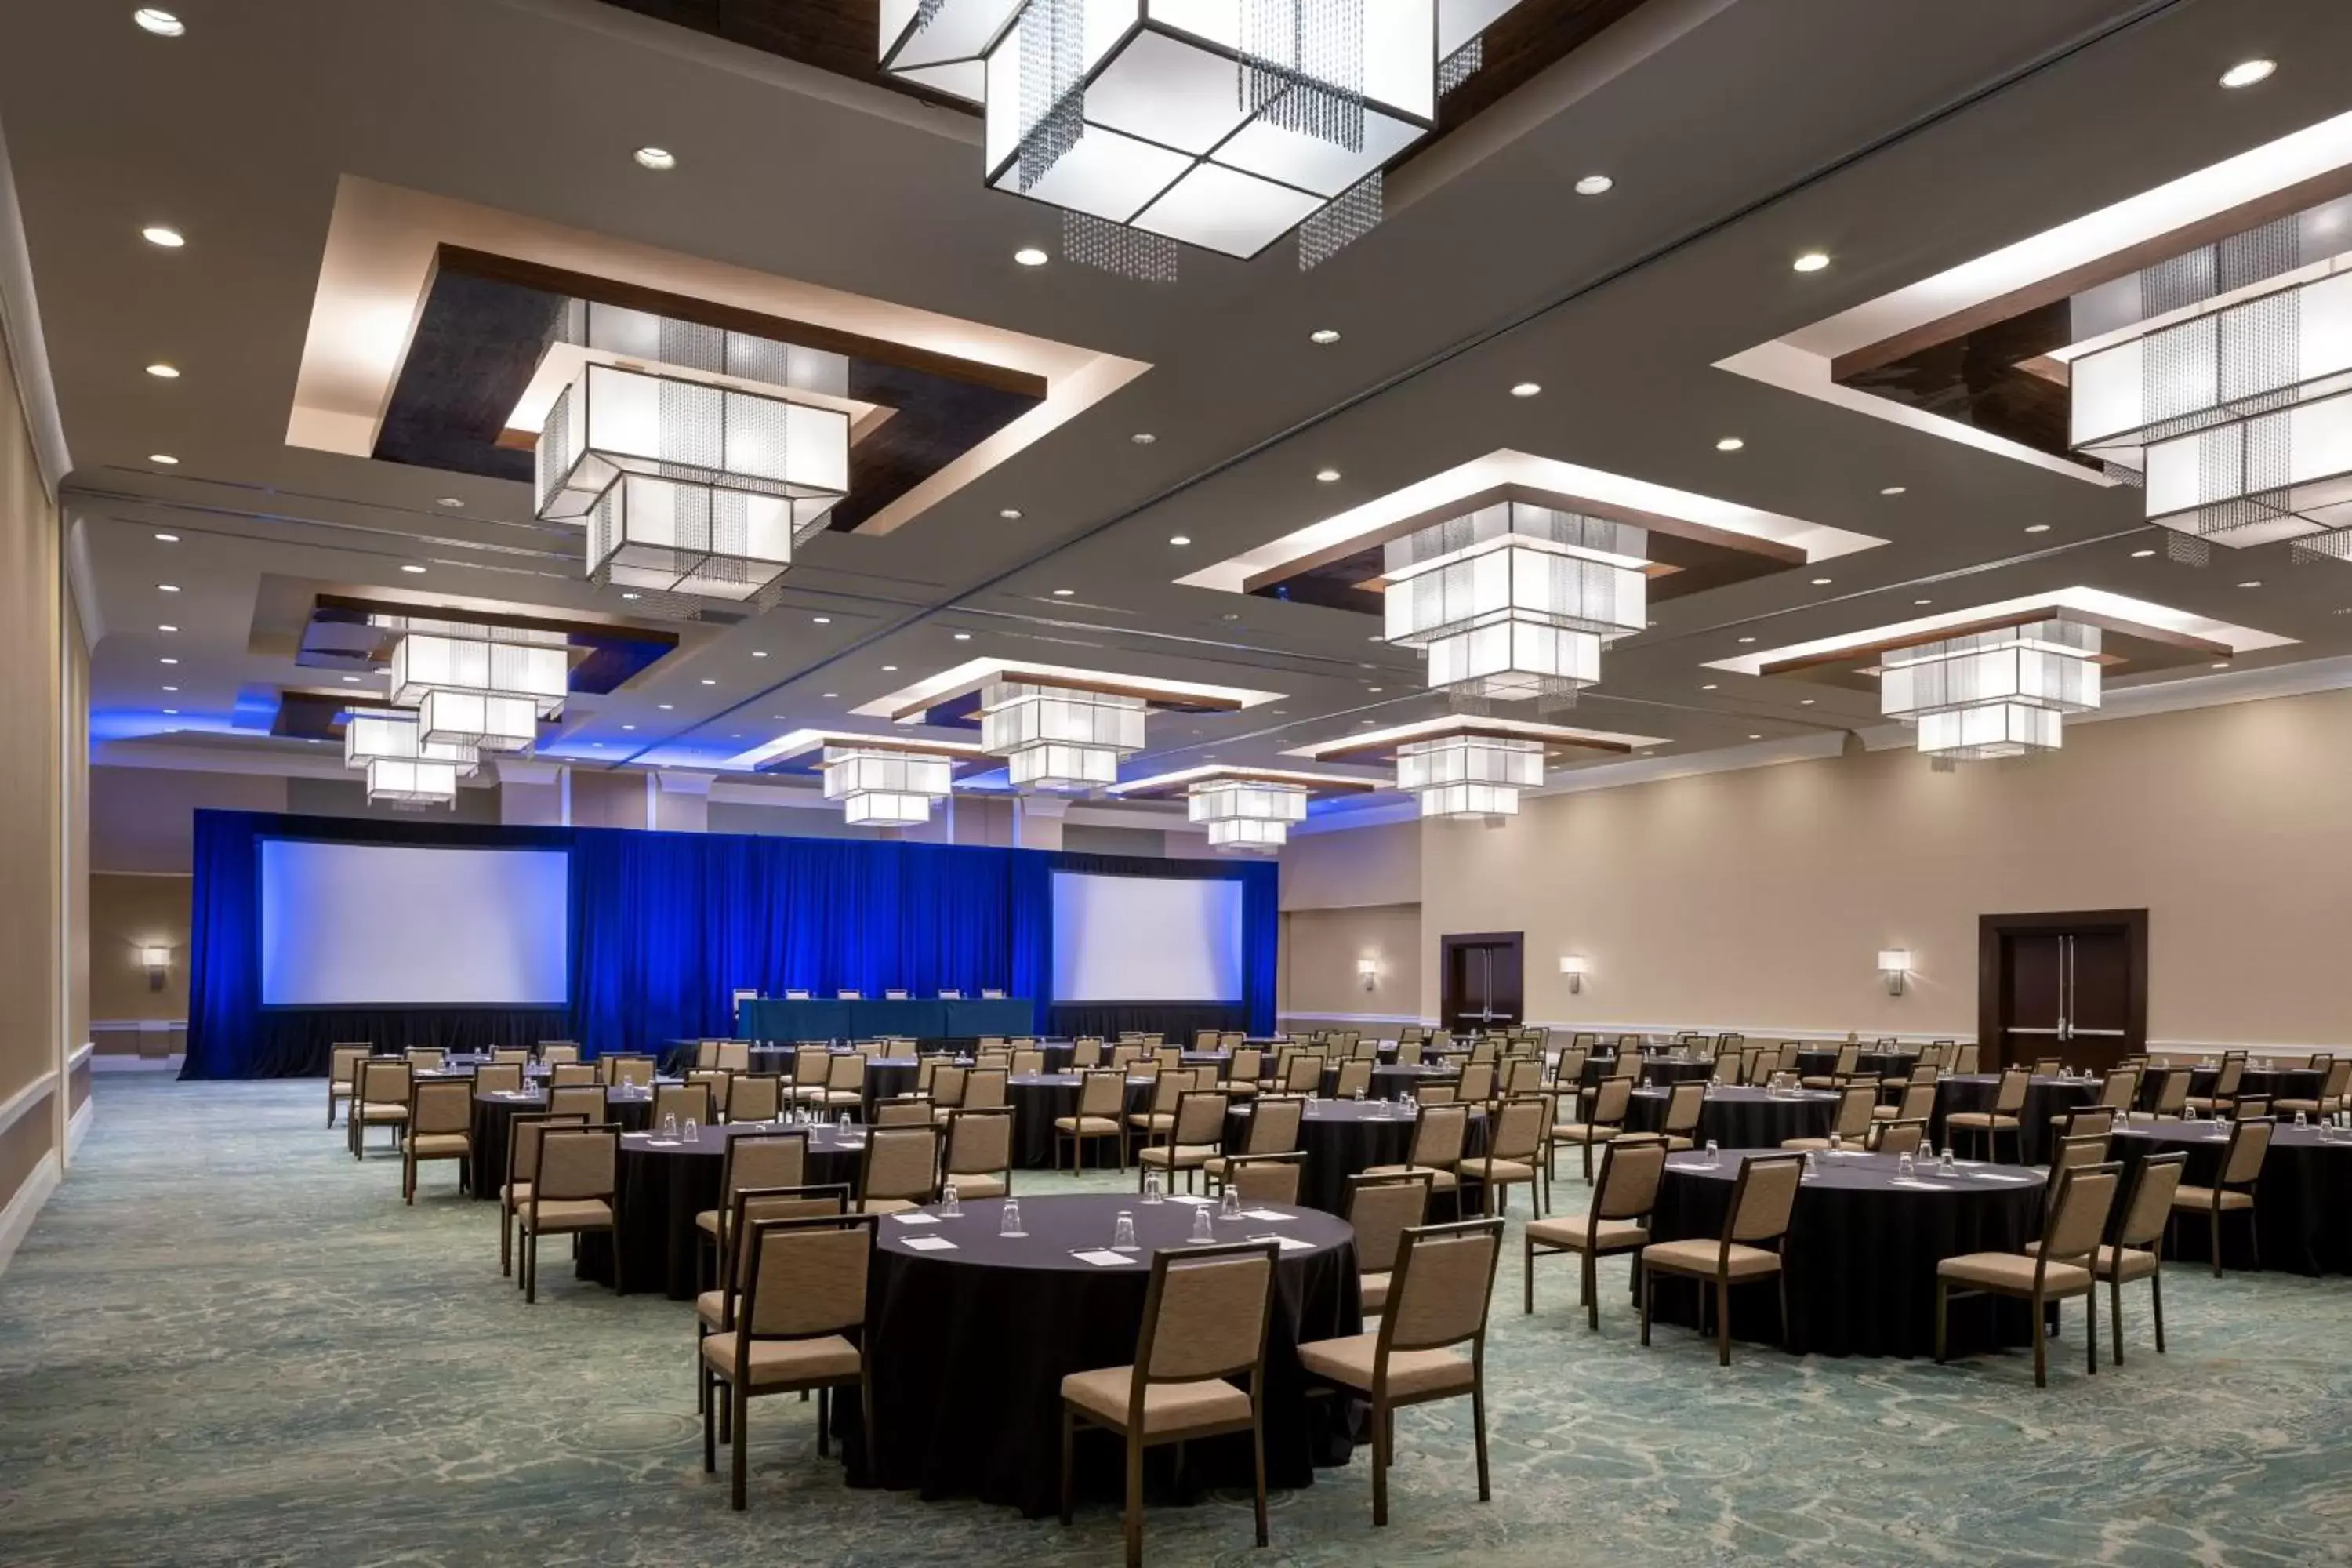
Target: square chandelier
(1998,693)
(1246,813)
(402,767)
(1514,600)
(394,781)
(478,721)
(1059,738)
(491,688)
(884,788)
(1469,776)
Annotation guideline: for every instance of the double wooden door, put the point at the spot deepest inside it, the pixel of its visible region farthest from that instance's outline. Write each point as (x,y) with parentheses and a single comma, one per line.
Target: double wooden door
(2072,986)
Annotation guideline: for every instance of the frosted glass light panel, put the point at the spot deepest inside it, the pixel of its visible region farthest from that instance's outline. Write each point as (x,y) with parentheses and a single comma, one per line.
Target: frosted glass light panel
(507,663)
(652,534)
(1470,775)
(395,781)
(1514,600)
(1246,813)
(1997,693)
(884,788)
(613,421)
(1058,738)
(394,736)
(478,721)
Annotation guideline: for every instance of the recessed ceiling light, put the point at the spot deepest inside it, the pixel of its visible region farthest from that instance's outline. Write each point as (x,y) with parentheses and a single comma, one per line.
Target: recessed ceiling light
(2142,554)
(632,595)
(170,688)
(170,712)
(1729,444)
(1144,437)
(161,23)
(1747,639)
(1327,476)
(1179,540)
(167,587)
(1922,601)
(453,503)
(829,694)
(163,372)
(1821,582)
(1064,593)
(656,158)
(2220,664)
(164,235)
(1322,337)
(2256,584)
(167,662)
(963,636)
(1373,690)
(167,629)
(628,726)
(1755,737)
(759,653)
(1812,261)
(2037,527)
(1011,514)
(821,620)
(1806,702)
(665,707)
(1363,723)
(167,539)
(706,680)
(350,680)
(1594,186)
(1709,686)
(1527,389)
(1030,255)
(413,569)
(2245,73)
(163,459)
(889,670)
(1893,490)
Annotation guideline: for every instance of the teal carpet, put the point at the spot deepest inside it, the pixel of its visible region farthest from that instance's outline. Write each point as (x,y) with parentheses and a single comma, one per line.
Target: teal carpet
(223,1342)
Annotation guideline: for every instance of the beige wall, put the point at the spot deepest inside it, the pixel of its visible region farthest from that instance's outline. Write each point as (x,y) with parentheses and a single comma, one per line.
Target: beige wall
(126,914)
(143,819)
(1759,899)
(1361,867)
(1319,953)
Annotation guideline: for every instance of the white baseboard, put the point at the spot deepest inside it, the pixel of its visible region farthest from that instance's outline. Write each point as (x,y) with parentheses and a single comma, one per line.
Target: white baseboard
(17,1219)
(116,1062)
(78,1127)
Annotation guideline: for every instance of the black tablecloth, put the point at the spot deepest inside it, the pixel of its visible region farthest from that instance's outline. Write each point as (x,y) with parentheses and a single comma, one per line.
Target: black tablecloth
(1393,1083)
(1862,1254)
(970,1347)
(494,1117)
(1038,1098)
(1869,1064)
(2044,1098)
(1742,1117)
(2303,1204)
(1344,1137)
(2275,1083)
(1654,1069)
(662,1188)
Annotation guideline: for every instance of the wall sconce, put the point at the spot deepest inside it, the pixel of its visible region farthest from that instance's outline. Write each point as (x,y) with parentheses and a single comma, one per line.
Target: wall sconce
(1369,970)
(1573,965)
(158,961)
(1893,964)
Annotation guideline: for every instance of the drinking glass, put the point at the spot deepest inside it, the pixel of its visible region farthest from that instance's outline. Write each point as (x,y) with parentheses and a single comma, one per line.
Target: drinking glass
(1151,1189)
(1809,1166)
(1837,1141)
(1714,1156)
(669,1124)
(1008,1221)
(2299,1120)
(1948,1166)
(693,1130)
(950,1201)
(1904,1166)
(1122,1235)
(1231,1208)
(841,1128)
(1203,1228)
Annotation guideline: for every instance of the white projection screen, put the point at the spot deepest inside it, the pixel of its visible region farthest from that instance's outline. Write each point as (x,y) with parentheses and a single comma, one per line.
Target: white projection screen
(1147,938)
(396,925)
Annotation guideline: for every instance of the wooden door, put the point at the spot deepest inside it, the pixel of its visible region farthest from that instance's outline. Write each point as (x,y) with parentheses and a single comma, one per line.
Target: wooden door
(1482,980)
(2069,986)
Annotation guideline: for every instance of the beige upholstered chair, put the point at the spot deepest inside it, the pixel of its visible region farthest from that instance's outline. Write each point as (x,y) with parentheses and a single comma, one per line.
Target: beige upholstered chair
(1382,1208)
(627,1067)
(810,1064)
(1410,1050)
(342,1071)
(901,1170)
(554,1052)
(1196,1137)
(1029,1061)
(1514,1156)
(2335,1089)
(1272,1130)
(1102,1102)
(2171,1095)
(984,1090)
(906,1112)
(1485,1048)
(440,1127)
(1476,1084)
(2048,1066)
(2226,1080)
(800,1325)
(948,1081)
(588,1101)
(1755,1230)
(1729,1066)
(2058,1266)
(510,1055)
(1244,1071)
(979,1153)
(2137,1249)
(2117,1094)
(1686,1102)
(686,1102)
(1849,1058)
(1438,1134)
(1355,1080)
(714,1309)
(755,1097)
(2233,1192)
(2084,1127)
(571,1075)
(1444,1279)
(845,1083)
(1605,1121)
(381,1100)
(1918,1104)
(706,1053)
(1855,1103)
(752,1160)
(1902,1136)
(426,1058)
(2008,1107)
(497,1077)
(734,1056)
(1204,1317)
(1268,1178)
(1618,1220)
(1302,1073)
(522,1169)
(1086,1052)
(1158,1119)
(715,1084)
(1568,1068)
(572,1194)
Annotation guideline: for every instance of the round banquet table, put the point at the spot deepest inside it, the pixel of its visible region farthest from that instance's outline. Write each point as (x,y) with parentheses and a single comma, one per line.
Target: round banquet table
(664,1182)
(1342,1138)
(2044,1098)
(1656,1069)
(1861,1253)
(1392,1081)
(2271,1083)
(969,1349)
(2303,1204)
(1038,1098)
(494,1115)
(1868,1064)
(1740,1116)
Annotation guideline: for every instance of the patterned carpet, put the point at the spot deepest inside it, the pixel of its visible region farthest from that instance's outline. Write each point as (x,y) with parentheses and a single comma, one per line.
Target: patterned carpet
(226,1343)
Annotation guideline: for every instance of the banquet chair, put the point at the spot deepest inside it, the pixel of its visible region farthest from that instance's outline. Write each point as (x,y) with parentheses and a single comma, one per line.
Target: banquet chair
(1205,1320)
(1125,1054)
(1380,1208)
(1901,1136)
(1522,1075)
(1440,1092)
(1752,1065)
(1204,1039)
(1627,1063)
(1970,1055)
(1568,1068)
(381,1100)
(2248,1107)
(628,1067)
(1102,1104)
(2058,1266)
(1302,1073)
(2006,1115)
(714,1309)
(1604,1121)
(2335,1089)
(2137,1251)
(1440,1042)
(551,1052)
(1439,1132)
(1409,1052)
(983,1089)
(1170,1058)
(2085,1122)
(687,1101)
(1476,1084)
(1618,1220)
(342,1070)
(716,1083)
(1918,1098)
(706,1052)
(901,1170)
(1244,1071)
(1853,1118)
(582,1100)
(497,1077)
(1196,1136)
(571,1075)
(1411,1034)
(1686,1102)
(734,1056)
(905,1111)
(2117,1094)
(800,1325)
(2079,1153)
(1272,1130)
(1158,1116)
(869,1049)
(755,1097)
(510,1055)
(1849,1057)
(1268,1178)
(1786,1060)
(845,1083)
(1444,1283)
(752,1160)
(1029,1061)
(522,1169)
(980,1154)
(1514,1155)
(1727,1066)
(2171,1095)
(1228,1039)
(948,1082)
(999,1057)
(572,1194)
(1485,1048)
(440,1127)
(1362,1049)
(1086,1052)
(2233,1191)
(426,1058)
(1354,1080)
(1751,1249)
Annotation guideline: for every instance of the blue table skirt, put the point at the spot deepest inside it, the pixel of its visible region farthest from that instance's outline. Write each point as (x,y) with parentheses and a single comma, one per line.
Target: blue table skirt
(924,1018)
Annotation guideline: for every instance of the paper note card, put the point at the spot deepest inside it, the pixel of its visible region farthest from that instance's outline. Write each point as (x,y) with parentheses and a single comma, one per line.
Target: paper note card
(930,1244)
(1102,1258)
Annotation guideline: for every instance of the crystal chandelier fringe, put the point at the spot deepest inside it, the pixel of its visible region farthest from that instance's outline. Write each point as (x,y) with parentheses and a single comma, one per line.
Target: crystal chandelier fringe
(1052,90)
(1116,248)
(1348,216)
(1461,65)
(1302,67)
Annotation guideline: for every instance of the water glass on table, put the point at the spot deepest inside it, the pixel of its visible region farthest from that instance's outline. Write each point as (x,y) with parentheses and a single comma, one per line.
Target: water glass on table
(1122,1234)
(951,1203)
(1008,1221)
